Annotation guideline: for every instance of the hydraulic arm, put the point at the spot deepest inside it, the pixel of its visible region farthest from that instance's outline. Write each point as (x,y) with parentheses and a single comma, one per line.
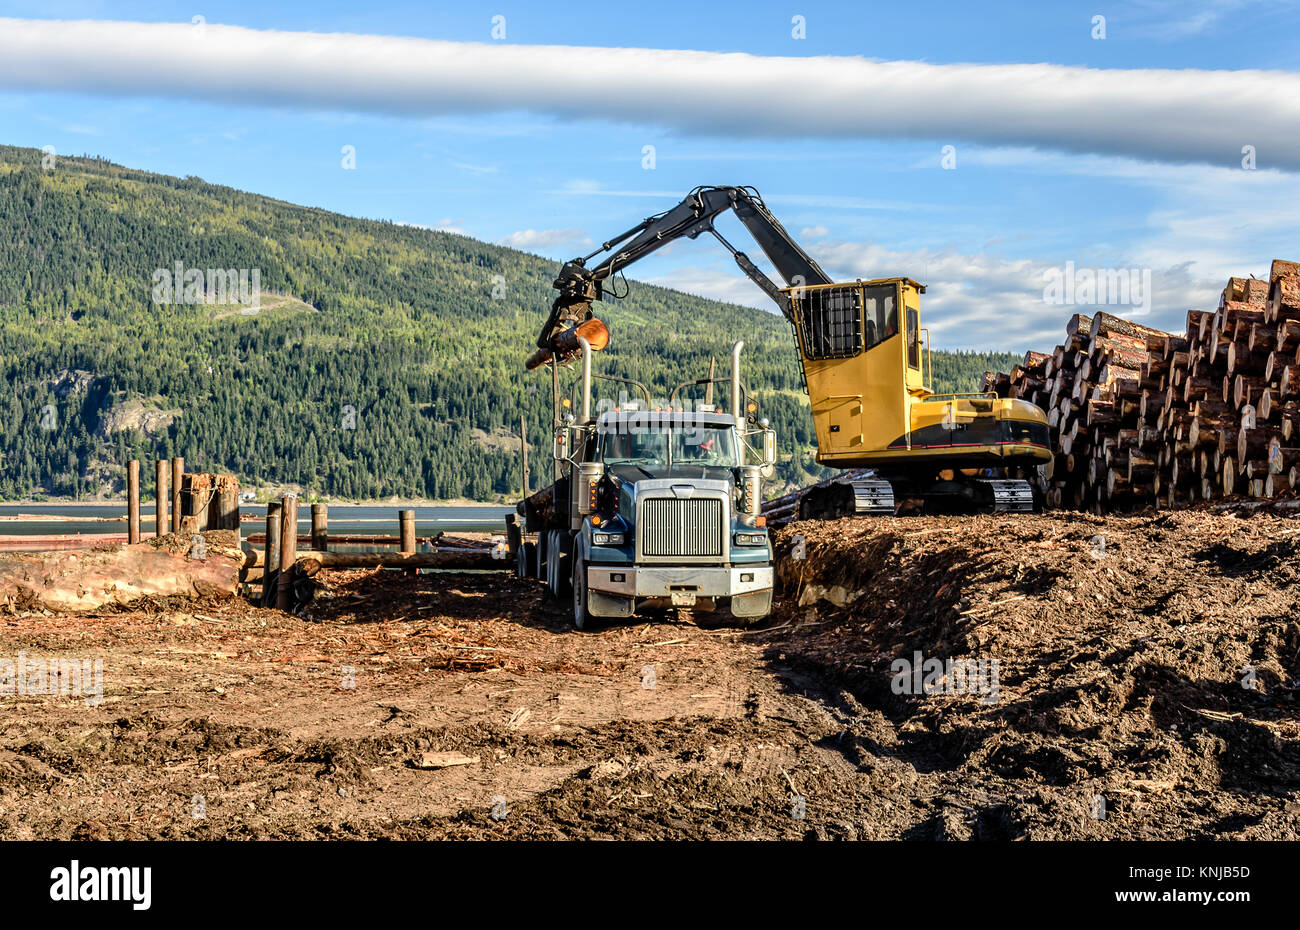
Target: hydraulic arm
(579,285)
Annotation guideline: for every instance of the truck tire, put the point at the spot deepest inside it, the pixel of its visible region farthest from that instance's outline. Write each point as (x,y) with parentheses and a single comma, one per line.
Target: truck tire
(582,618)
(552,562)
(557,574)
(557,564)
(525,560)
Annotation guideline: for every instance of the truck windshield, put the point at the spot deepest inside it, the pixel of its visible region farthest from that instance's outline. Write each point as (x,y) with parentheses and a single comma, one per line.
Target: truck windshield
(678,444)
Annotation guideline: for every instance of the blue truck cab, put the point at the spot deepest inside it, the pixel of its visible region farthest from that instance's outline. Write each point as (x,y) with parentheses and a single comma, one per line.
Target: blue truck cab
(654,507)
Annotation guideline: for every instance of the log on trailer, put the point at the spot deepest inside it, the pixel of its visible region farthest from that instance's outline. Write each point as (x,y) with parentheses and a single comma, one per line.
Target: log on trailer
(69,582)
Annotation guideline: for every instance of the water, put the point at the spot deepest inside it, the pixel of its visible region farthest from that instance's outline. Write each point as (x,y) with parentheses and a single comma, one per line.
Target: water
(343,519)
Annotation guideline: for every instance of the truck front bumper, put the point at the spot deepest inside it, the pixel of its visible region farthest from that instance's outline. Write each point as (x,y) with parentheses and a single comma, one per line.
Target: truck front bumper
(664,581)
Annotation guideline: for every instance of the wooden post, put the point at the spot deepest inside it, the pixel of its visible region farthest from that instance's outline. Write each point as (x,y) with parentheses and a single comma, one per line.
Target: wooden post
(227,504)
(271,557)
(288,551)
(320,530)
(406,522)
(523,451)
(178,470)
(160,514)
(133,501)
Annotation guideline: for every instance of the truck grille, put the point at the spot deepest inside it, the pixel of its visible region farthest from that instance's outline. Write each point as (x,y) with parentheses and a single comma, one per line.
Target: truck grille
(674,527)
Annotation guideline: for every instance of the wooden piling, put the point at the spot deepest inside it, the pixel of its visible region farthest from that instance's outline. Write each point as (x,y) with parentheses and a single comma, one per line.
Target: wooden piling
(133,501)
(178,471)
(271,558)
(228,508)
(406,521)
(320,527)
(288,550)
(160,514)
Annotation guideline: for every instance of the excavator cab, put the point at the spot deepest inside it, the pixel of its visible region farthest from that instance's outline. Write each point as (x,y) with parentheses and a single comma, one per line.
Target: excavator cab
(866,365)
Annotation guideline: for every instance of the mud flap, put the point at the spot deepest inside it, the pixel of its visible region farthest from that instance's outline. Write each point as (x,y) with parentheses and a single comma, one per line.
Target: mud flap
(754,604)
(609,605)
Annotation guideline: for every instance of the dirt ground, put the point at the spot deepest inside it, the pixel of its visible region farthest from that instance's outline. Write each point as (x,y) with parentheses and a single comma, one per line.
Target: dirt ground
(1144,687)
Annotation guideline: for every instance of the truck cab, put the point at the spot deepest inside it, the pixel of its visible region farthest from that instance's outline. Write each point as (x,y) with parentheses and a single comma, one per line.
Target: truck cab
(655,507)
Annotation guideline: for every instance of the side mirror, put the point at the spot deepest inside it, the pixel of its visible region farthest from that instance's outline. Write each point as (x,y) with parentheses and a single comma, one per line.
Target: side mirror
(769,453)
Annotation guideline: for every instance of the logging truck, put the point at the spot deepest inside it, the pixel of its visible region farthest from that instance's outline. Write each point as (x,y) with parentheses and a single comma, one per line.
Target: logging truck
(652,505)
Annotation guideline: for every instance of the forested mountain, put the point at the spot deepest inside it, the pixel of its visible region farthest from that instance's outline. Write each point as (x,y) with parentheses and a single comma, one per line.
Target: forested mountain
(383,360)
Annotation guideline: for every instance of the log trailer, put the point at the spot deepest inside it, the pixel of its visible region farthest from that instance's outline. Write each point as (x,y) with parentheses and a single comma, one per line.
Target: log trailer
(652,505)
(865,367)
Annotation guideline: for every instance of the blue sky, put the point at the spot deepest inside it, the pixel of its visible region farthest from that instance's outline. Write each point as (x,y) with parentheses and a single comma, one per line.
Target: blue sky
(553,177)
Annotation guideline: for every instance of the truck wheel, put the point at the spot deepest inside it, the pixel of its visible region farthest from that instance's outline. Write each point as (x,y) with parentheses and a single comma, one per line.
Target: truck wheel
(557,576)
(523,560)
(552,565)
(581,616)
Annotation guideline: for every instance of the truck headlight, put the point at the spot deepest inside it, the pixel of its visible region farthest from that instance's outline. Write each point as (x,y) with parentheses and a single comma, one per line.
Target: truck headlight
(750,539)
(608,539)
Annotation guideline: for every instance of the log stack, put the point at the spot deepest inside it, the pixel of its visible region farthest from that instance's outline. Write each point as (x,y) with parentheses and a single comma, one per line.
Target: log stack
(1141,417)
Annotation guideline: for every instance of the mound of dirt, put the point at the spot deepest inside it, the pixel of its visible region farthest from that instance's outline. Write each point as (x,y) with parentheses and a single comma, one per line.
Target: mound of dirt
(1096,678)
(1137,668)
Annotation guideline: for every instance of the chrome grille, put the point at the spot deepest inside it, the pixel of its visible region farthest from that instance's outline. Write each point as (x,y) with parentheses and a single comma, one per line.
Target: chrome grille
(681,527)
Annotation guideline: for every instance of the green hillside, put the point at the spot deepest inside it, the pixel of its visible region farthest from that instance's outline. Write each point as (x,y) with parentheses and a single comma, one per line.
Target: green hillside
(384,359)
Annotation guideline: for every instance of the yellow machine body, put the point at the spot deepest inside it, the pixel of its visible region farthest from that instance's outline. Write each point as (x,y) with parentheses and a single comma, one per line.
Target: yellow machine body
(867,369)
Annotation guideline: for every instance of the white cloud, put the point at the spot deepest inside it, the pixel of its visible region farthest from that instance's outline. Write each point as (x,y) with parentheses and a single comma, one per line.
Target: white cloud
(972,300)
(814,232)
(1168,115)
(543,238)
(1171,20)
(472,168)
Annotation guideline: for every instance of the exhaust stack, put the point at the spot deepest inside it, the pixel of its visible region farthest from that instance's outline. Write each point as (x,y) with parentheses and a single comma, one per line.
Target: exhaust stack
(585,347)
(737,406)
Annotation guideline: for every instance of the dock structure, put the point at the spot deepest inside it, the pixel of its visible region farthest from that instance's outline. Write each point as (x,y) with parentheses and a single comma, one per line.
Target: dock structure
(189,505)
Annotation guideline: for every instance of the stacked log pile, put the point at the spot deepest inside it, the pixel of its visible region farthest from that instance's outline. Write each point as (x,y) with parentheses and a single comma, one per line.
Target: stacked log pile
(1141,417)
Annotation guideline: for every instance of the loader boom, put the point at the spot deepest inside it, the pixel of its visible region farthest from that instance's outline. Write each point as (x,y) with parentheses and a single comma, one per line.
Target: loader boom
(579,285)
